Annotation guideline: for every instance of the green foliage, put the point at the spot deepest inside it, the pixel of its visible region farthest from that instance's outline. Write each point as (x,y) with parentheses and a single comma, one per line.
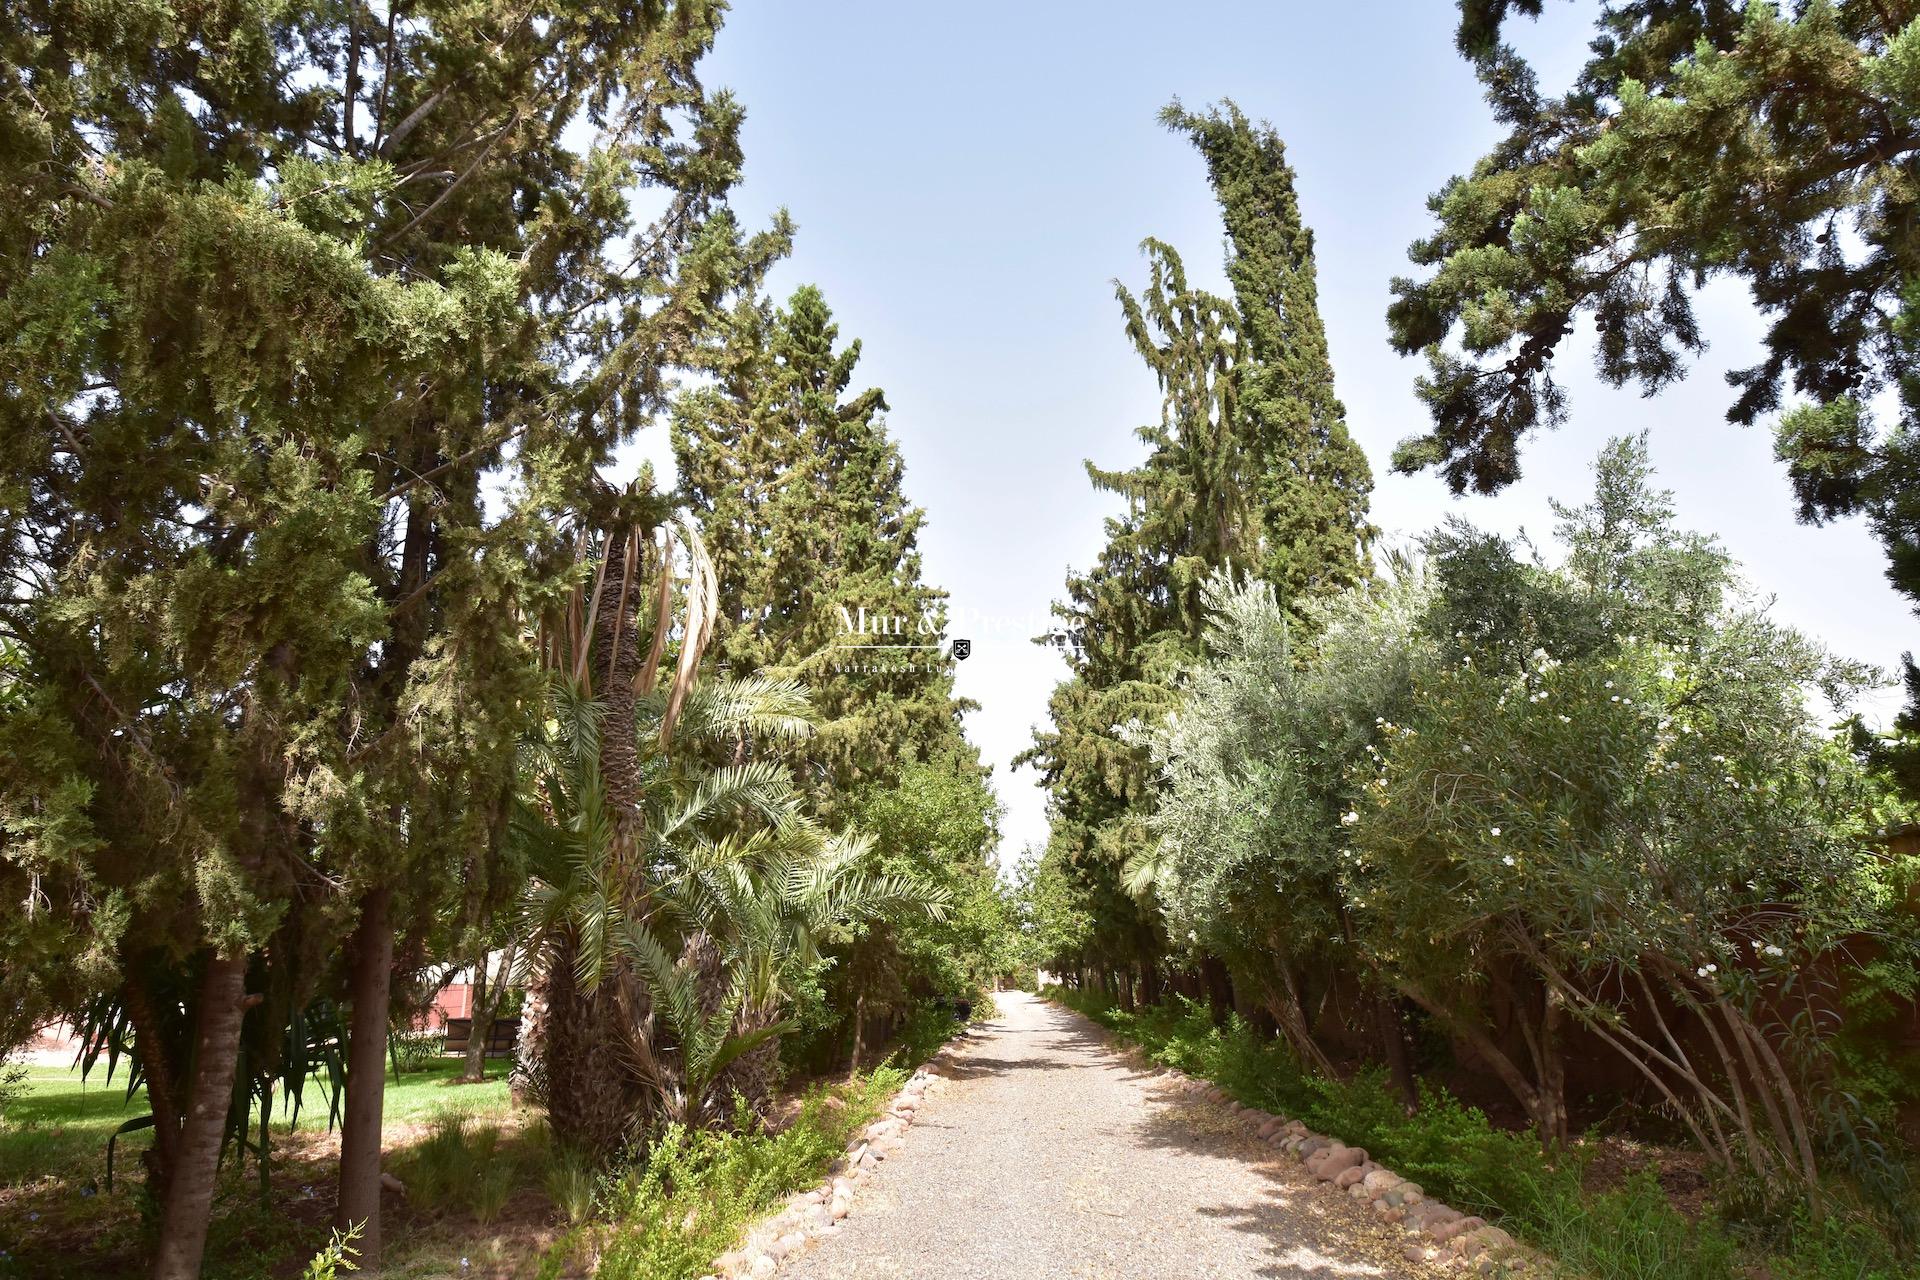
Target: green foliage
(1771,144)
(741,886)
(316,341)
(687,1201)
(1250,469)
(572,1183)
(336,1258)
(1526,795)
(817,549)
(1626,1232)
(413,1050)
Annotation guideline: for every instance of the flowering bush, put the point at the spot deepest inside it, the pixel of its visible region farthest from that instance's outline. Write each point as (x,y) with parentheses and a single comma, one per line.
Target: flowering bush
(1526,797)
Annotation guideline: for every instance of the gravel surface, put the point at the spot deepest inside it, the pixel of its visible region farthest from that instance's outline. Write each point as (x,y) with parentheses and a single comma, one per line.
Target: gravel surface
(1050,1154)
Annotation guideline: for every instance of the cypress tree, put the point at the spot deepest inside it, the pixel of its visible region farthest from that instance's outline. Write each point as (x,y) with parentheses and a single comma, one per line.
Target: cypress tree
(1310,480)
(799,490)
(280,284)
(1250,471)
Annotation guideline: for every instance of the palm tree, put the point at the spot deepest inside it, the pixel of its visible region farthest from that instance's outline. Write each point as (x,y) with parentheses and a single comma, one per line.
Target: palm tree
(669,923)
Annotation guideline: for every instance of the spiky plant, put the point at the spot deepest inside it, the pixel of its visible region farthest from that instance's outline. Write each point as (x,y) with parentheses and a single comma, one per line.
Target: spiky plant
(673,918)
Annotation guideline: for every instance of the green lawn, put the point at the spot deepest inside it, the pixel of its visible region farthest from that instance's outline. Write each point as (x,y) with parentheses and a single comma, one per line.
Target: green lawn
(61,1126)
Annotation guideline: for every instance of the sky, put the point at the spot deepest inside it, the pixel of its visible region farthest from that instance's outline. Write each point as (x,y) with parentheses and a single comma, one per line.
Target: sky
(968,182)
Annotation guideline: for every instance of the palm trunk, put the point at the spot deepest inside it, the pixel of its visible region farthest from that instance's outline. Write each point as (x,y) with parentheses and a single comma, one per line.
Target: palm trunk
(189,1200)
(371,983)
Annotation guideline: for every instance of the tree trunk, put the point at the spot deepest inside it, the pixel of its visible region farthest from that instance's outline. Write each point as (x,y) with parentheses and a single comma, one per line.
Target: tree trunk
(479,1021)
(1541,1110)
(1393,1046)
(163,1099)
(859,1034)
(189,1202)
(1219,985)
(371,983)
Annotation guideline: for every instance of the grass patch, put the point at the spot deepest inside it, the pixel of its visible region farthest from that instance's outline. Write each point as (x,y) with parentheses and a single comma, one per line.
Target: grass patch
(689,1200)
(1630,1232)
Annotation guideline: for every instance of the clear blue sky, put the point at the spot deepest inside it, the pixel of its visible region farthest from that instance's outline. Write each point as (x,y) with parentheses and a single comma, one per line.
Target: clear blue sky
(968,179)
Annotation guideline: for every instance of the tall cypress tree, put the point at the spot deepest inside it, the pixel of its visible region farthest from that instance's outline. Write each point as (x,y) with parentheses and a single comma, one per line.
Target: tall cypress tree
(799,490)
(1251,470)
(1310,480)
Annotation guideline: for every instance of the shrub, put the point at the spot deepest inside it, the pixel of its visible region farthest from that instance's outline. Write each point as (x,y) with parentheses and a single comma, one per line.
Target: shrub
(1630,1232)
(688,1199)
(416,1050)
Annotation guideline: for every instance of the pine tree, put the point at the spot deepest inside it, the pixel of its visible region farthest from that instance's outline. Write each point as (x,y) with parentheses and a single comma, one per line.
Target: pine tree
(799,489)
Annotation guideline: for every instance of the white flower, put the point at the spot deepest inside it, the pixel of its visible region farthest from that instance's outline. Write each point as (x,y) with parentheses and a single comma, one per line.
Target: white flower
(1566,719)
(1614,698)
(1771,950)
(1348,818)
(1494,830)
(1192,936)
(1508,859)
(1607,685)
(1700,973)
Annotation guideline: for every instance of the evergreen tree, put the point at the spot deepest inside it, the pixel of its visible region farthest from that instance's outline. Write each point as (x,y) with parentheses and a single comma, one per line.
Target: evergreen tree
(280,283)
(799,489)
(1777,145)
(1250,471)
(1310,481)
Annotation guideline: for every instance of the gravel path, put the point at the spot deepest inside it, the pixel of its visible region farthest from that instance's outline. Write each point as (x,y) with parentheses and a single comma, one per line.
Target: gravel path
(1049,1155)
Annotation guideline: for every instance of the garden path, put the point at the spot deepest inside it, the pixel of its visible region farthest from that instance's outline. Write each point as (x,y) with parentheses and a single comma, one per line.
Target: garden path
(1050,1154)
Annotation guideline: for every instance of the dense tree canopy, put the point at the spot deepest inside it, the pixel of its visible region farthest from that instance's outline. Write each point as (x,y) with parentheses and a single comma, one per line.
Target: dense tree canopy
(280,284)
(816,546)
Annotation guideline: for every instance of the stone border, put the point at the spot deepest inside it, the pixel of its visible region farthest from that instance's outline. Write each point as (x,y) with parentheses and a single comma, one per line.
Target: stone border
(810,1215)
(1441,1234)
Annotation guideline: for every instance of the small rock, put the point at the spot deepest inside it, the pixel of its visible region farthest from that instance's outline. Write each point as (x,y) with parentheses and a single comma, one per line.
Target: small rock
(1331,1163)
(1381,1179)
(1350,1177)
(839,1208)
(762,1267)
(1448,1229)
